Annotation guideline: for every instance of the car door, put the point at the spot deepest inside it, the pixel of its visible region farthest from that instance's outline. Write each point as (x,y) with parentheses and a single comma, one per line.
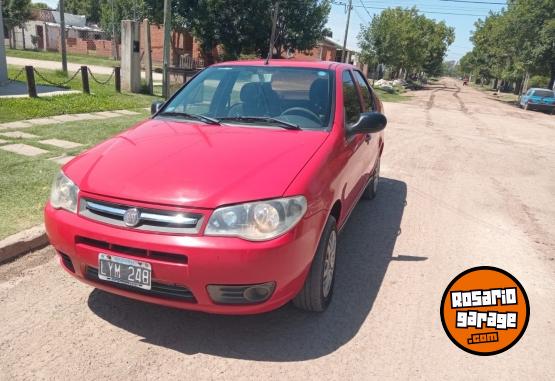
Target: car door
(355,145)
(371,146)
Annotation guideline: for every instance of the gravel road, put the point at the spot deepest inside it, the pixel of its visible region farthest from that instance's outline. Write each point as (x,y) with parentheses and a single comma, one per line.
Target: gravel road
(468,181)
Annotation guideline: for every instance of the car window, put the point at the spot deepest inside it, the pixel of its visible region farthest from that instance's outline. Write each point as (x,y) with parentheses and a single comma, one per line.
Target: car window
(543,93)
(200,95)
(297,95)
(529,92)
(351,103)
(243,78)
(366,93)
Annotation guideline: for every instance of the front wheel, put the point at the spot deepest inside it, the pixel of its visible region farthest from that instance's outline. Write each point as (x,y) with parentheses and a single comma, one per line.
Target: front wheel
(372,188)
(316,293)
(526,106)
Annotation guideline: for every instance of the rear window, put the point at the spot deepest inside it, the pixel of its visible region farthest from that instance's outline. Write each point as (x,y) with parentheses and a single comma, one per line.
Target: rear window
(543,93)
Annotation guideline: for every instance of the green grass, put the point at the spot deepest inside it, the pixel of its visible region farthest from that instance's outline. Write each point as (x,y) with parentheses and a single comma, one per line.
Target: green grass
(55,56)
(25,181)
(102,98)
(503,97)
(390,97)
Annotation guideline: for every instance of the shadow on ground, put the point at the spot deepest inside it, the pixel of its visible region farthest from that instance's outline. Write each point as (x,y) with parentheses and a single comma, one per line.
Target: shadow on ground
(17,89)
(365,251)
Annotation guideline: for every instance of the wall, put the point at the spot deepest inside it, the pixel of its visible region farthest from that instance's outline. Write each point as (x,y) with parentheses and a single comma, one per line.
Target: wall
(182,42)
(319,53)
(30,30)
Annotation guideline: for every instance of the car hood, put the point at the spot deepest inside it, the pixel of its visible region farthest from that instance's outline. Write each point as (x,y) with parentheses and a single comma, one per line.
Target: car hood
(191,164)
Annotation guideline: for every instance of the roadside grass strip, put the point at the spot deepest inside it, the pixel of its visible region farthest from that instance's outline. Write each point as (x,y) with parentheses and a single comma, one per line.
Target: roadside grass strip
(102,98)
(29,160)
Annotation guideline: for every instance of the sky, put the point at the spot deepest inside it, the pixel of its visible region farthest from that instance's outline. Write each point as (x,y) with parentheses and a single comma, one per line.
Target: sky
(363,10)
(463,16)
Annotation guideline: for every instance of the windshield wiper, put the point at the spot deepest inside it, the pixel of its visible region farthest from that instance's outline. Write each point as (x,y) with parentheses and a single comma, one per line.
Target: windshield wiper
(202,118)
(267,119)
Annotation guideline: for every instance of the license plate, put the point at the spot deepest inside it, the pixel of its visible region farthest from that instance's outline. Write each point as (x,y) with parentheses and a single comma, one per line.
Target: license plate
(124,270)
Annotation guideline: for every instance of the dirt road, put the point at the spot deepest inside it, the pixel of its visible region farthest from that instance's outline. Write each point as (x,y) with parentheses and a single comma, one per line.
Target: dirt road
(468,181)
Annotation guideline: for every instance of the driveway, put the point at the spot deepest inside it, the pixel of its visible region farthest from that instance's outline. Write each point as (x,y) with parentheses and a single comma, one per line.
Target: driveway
(71,67)
(468,181)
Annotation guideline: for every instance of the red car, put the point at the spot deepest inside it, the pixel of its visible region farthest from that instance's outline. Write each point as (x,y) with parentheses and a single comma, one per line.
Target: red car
(230,197)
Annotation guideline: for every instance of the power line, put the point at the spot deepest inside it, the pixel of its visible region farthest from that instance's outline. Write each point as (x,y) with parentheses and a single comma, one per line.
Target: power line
(366,7)
(474,2)
(437,13)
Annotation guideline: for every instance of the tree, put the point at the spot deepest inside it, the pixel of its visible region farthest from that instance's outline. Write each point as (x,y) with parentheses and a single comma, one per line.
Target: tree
(113,11)
(16,13)
(405,40)
(516,41)
(39,6)
(301,24)
(91,9)
(243,26)
(437,37)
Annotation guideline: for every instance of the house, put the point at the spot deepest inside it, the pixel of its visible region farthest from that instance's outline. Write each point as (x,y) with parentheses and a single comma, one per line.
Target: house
(42,32)
(325,50)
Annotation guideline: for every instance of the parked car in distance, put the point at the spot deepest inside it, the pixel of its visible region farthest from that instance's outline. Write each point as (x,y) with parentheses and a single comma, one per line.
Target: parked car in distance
(230,197)
(538,99)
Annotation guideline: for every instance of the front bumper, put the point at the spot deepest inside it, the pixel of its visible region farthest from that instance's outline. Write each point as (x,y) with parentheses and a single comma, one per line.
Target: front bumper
(209,260)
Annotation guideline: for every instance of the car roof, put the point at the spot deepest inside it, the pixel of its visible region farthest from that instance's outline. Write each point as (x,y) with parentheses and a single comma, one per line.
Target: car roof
(539,88)
(285,63)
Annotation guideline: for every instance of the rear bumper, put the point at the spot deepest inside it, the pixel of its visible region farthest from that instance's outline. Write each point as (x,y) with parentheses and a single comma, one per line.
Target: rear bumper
(209,260)
(540,106)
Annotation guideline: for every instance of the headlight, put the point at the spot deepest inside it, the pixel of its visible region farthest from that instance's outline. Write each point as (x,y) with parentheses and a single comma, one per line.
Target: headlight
(64,193)
(257,221)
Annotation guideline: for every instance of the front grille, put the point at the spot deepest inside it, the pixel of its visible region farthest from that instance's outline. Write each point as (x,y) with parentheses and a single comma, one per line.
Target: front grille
(155,220)
(160,290)
(66,260)
(134,251)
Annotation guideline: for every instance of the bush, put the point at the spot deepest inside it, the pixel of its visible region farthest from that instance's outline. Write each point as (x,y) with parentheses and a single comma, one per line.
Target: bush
(538,81)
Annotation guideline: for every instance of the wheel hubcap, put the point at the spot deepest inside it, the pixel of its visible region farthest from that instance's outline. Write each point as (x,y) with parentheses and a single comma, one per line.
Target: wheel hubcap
(329,263)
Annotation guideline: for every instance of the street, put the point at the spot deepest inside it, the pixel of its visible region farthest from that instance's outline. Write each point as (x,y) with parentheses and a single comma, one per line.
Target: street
(466,181)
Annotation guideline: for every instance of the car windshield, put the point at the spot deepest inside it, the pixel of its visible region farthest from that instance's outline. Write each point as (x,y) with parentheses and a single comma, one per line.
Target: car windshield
(284,97)
(544,93)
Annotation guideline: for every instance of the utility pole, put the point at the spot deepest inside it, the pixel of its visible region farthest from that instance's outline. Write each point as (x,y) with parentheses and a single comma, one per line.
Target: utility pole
(273,34)
(114,38)
(63,37)
(3,64)
(346,30)
(148,56)
(166,64)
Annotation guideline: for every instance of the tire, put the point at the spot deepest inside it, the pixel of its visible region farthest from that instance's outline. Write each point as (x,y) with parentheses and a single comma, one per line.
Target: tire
(372,188)
(317,291)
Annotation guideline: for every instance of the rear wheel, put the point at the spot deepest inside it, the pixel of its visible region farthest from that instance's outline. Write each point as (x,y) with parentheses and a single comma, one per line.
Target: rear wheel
(318,287)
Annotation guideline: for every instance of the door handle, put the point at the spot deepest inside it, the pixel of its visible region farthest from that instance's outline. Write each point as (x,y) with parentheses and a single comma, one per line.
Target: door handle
(367,138)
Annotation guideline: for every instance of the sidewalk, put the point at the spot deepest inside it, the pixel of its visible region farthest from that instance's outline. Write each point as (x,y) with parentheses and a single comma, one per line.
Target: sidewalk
(71,67)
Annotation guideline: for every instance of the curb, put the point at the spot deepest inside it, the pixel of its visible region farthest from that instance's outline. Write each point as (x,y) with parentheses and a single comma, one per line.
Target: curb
(23,242)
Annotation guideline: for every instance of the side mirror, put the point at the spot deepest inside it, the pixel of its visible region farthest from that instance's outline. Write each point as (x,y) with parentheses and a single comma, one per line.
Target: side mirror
(155,106)
(369,123)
